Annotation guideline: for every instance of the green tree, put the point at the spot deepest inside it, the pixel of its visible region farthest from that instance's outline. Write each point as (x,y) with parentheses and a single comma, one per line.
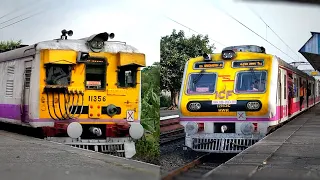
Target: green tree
(150,114)
(175,50)
(148,147)
(8,45)
(151,78)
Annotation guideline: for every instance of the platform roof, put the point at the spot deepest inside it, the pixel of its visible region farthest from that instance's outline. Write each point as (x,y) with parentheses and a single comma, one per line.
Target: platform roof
(311,50)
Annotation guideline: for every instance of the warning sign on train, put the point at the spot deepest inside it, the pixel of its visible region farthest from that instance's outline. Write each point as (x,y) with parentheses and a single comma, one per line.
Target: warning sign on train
(130,115)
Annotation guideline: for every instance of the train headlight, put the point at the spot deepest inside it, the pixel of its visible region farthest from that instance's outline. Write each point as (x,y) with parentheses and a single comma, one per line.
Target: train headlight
(96,41)
(191,128)
(247,128)
(96,44)
(253,105)
(228,54)
(194,106)
(224,128)
(206,57)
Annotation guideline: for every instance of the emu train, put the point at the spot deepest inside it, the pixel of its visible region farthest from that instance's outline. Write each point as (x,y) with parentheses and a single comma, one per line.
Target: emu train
(85,93)
(230,100)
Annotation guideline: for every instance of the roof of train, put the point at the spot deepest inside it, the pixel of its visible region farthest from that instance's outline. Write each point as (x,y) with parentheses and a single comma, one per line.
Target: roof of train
(292,68)
(69,44)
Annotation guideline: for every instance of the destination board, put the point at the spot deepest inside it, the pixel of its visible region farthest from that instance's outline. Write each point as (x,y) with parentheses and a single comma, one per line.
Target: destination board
(95,61)
(250,63)
(208,65)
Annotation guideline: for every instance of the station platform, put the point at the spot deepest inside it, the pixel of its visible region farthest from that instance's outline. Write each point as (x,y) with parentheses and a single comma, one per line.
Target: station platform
(164,113)
(291,152)
(24,157)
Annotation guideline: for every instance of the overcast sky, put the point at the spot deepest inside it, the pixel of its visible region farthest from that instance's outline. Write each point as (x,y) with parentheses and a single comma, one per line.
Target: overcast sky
(141,23)
(132,21)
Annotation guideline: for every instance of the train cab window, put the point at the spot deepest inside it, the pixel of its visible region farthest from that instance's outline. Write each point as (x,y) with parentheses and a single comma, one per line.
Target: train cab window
(201,83)
(95,76)
(127,76)
(251,82)
(58,74)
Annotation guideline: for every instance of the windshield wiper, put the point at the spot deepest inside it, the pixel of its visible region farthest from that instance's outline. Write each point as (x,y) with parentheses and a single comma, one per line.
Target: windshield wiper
(254,74)
(195,81)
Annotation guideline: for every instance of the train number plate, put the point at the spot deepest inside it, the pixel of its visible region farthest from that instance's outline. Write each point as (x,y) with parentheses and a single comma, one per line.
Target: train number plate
(97,98)
(215,102)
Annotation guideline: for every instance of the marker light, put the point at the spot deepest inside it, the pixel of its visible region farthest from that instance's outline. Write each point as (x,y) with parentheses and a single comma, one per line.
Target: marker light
(191,128)
(247,128)
(228,54)
(224,128)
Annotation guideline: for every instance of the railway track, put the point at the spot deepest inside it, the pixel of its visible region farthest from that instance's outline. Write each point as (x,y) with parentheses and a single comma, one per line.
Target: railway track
(170,129)
(198,168)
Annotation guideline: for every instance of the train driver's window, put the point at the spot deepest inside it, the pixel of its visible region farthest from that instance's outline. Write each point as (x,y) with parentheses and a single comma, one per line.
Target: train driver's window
(251,81)
(201,83)
(95,76)
(58,74)
(127,76)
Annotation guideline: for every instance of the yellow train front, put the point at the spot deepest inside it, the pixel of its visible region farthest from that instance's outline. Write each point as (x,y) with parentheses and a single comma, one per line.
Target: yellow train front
(90,90)
(225,103)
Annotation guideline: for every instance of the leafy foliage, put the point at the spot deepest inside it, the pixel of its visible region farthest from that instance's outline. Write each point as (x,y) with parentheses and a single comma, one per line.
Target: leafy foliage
(165,101)
(175,50)
(151,78)
(148,147)
(6,45)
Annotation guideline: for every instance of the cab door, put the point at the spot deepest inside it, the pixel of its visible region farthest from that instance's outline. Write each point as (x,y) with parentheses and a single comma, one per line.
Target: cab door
(284,94)
(26,91)
(279,95)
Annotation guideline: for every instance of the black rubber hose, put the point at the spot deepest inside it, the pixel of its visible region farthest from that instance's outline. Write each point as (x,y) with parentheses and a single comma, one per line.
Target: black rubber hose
(71,105)
(82,99)
(66,104)
(75,111)
(49,106)
(62,115)
(54,109)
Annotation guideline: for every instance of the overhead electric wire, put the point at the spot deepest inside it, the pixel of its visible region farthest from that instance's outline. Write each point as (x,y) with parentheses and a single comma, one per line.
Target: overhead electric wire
(254,32)
(22,19)
(15,17)
(21,15)
(193,30)
(19,8)
(273,30)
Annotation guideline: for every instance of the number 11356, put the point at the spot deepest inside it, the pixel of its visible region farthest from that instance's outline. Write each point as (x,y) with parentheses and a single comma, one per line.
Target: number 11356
(97,98)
